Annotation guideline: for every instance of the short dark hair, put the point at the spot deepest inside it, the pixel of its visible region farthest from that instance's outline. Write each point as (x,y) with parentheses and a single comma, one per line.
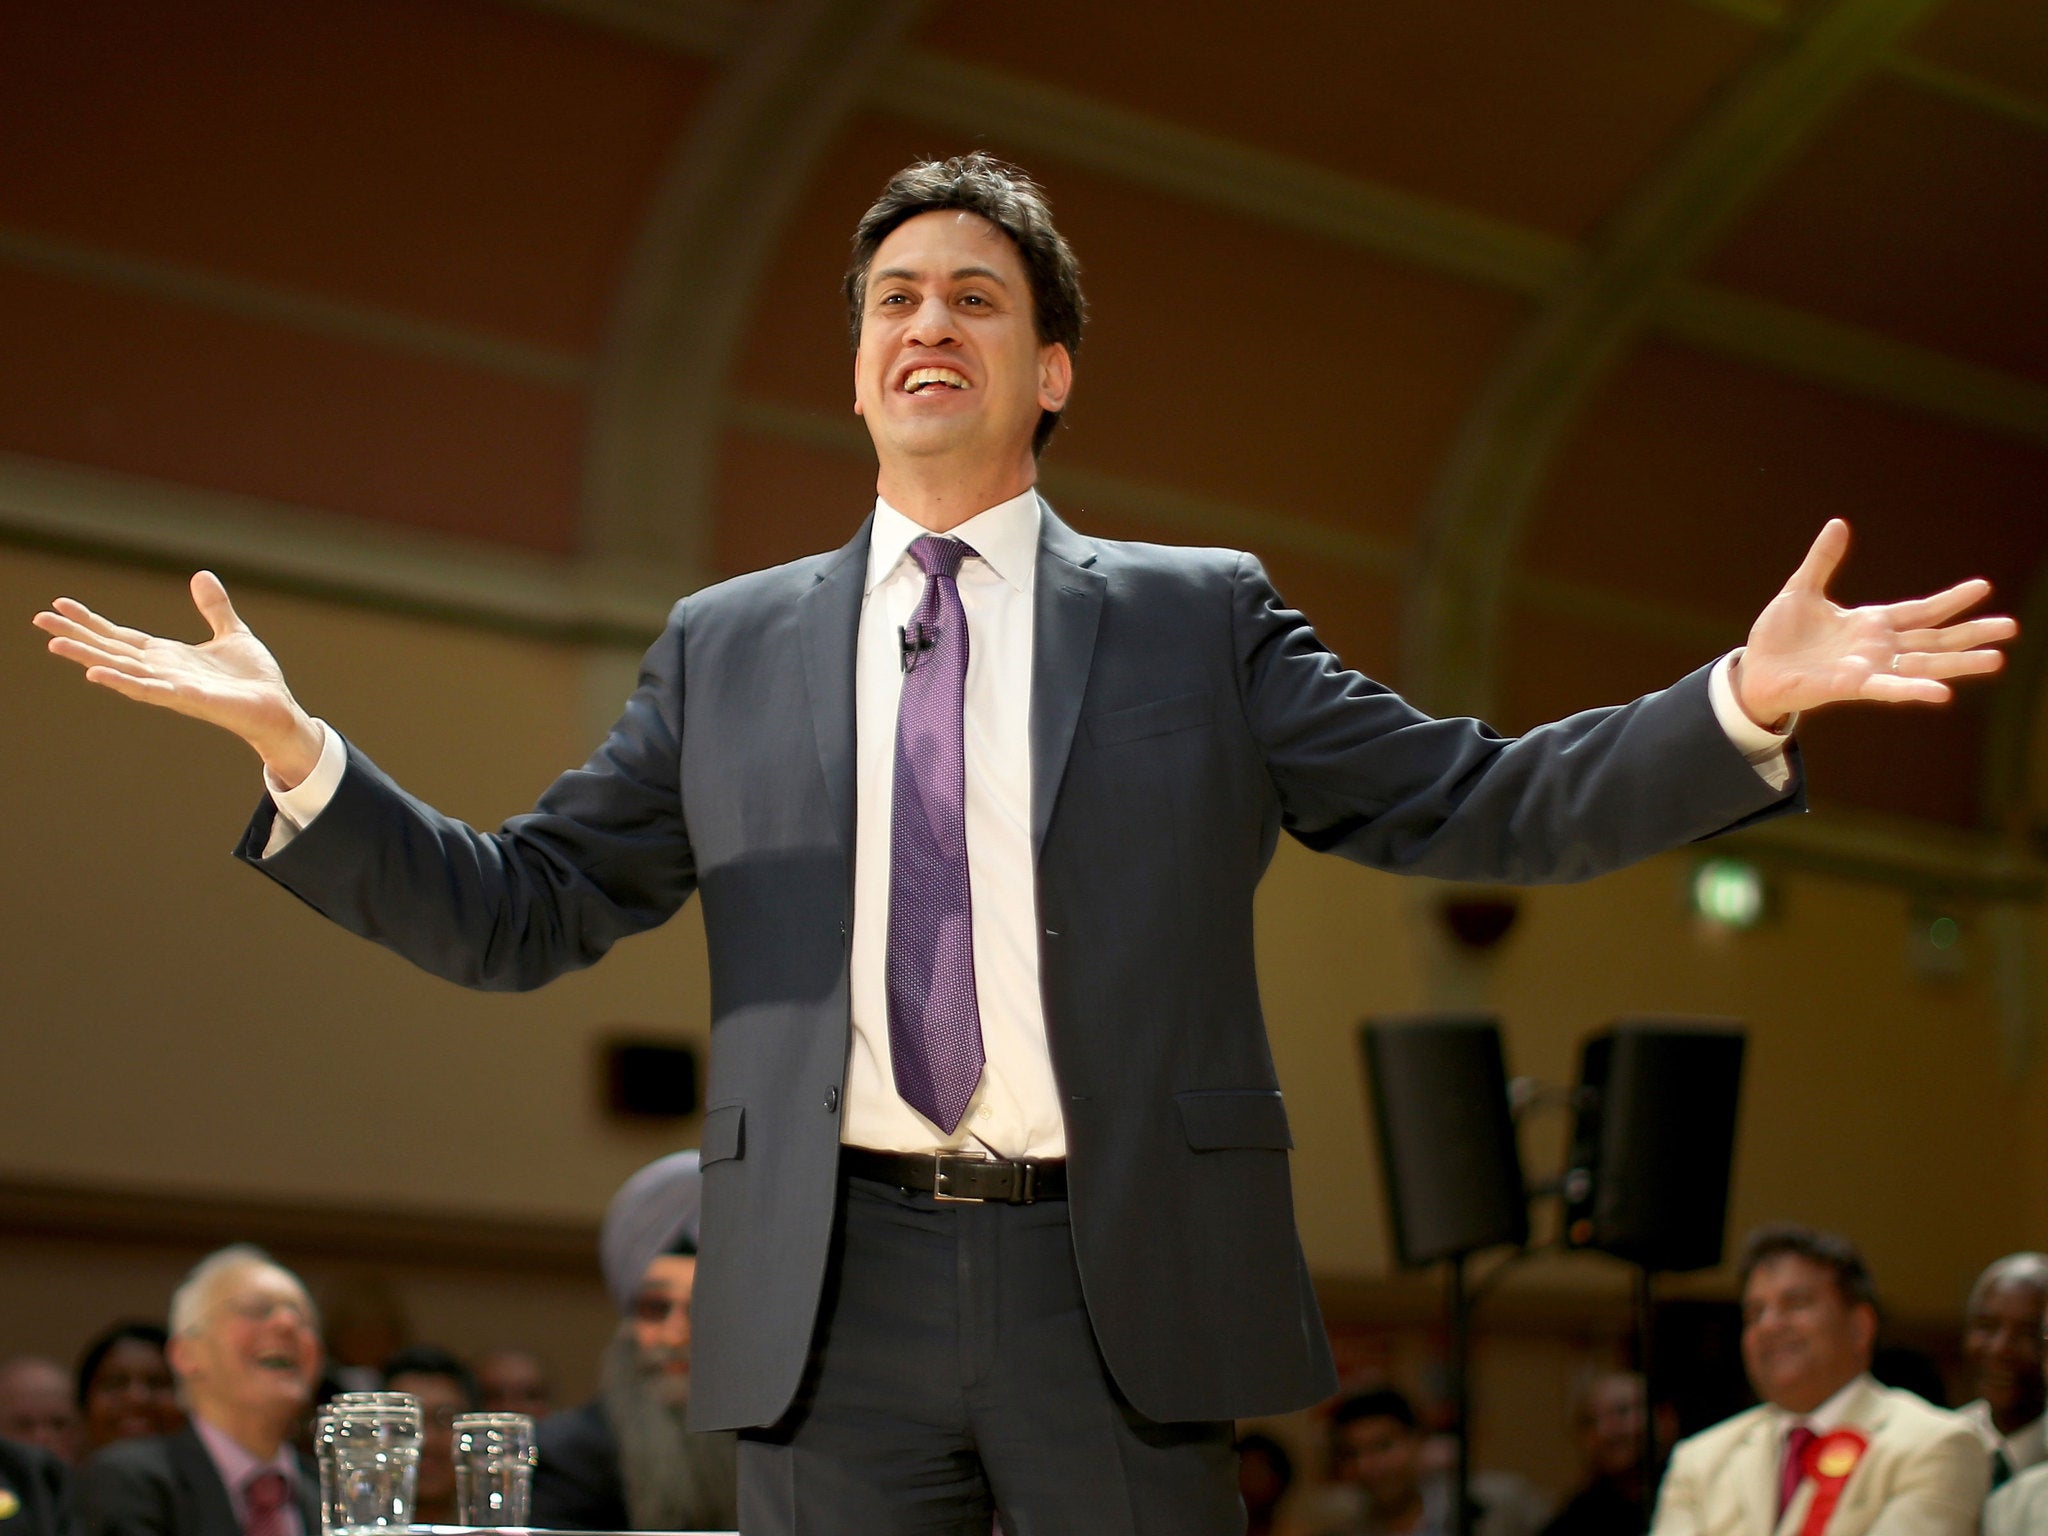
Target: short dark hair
(1380,1403)
(97,1351)
(1832,1251)
(981,184)
(432,1360)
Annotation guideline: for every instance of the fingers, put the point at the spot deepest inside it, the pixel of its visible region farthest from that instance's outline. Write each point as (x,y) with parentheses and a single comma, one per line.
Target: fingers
(1925,612)
(1823,558)
(211,598)
(144,690)
(62,628)
(1895,688)
(88,654)
(71,610)
(1959,637)
(1917,664)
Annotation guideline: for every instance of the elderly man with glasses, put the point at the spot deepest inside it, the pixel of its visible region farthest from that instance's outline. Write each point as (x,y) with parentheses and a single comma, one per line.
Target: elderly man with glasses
(245,1348)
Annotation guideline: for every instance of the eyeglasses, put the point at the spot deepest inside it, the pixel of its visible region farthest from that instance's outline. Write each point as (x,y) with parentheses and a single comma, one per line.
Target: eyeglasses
(261,1309)
(654,1307)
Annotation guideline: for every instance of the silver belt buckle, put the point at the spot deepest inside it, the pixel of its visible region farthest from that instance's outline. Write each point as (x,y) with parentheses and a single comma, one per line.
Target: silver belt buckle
(939,1176)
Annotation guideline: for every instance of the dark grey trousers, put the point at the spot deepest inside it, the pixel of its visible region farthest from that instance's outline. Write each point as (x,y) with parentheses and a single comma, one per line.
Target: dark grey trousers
(955,1380)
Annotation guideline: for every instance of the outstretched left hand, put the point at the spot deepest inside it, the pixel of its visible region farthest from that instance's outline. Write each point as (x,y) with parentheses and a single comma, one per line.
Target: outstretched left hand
(1805,651)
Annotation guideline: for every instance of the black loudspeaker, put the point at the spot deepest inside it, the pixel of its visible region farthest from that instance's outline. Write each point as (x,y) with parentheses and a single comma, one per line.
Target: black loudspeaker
(1439,1089)
(1647,1176)
(649,1079)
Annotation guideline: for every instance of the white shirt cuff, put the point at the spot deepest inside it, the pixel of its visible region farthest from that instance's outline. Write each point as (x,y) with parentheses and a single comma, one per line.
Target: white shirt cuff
(1764,748)
(297,807)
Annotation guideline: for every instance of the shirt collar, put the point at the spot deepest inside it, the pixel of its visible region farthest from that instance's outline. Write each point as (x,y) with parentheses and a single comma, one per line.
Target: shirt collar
(1005,536)
(1830,1415)
(236,1463)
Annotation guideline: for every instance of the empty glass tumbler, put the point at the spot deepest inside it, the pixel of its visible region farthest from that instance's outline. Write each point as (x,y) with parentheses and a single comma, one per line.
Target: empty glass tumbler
(373,1440)
(494,1458)
(323,1454)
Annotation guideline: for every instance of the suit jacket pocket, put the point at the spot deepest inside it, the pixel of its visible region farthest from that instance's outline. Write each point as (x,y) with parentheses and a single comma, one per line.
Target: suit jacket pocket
(1234,1117)
(724,1134)
(1181,712)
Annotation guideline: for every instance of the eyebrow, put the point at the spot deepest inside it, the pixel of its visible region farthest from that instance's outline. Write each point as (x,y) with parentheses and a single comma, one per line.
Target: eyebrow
(958,273)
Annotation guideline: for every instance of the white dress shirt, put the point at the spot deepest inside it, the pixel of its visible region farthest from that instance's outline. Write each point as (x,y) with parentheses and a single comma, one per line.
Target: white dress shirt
(2025,1447)
(1015,1112)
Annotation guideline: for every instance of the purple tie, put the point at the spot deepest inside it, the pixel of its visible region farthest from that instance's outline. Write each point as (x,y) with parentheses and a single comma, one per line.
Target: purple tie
(934,1014)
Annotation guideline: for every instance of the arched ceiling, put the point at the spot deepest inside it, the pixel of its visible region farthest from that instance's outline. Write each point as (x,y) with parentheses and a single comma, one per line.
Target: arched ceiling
(1528,345)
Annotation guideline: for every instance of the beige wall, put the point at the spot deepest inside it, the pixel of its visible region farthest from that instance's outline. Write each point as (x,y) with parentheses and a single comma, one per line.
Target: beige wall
(177,1024)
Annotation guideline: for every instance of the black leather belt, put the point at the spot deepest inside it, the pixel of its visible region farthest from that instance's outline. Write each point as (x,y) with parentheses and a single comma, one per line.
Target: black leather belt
(961,1176)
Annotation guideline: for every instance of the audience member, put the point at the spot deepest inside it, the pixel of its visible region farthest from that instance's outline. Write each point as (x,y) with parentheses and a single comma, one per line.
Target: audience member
(1376,1446)
(2002,1342)
(625,1461)
(32,1492)
(36,1406)
(1613,1501)
(1825,1434)
(515,1381)
(366,1325)
(445,1389)
(125,1387)
(2020,1508)
(1264,1474)
(245,1349)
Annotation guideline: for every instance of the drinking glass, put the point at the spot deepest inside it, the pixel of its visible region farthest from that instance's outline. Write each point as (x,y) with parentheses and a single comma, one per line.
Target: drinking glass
(323,1454)
(494,1458)
(375,1438)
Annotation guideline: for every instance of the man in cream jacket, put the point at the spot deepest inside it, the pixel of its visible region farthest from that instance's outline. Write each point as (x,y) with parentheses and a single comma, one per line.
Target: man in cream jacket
(1828,1452)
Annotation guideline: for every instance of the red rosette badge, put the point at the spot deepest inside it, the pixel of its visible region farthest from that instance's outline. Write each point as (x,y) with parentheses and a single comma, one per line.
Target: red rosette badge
(1829,1461)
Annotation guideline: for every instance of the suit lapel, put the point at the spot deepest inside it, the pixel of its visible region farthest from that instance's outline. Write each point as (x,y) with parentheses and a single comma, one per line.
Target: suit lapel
(1754,1471)
(829,615)
(212,1513)
(1866,1411)
(1066,608)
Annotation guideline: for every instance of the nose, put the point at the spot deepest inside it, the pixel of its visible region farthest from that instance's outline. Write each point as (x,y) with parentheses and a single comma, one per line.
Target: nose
(675,1328)
(932,326)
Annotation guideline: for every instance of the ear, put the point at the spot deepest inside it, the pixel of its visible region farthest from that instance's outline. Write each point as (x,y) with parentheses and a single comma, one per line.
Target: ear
(1863,1318)
(178,1354)
(1055,376)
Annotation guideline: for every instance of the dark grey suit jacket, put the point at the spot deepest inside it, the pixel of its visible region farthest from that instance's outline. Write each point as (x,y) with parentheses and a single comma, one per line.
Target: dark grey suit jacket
(166,1485)
(1181,718)
(33,1494)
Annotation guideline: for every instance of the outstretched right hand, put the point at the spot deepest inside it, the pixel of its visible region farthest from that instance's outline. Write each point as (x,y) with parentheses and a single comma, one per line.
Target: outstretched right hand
(230,681)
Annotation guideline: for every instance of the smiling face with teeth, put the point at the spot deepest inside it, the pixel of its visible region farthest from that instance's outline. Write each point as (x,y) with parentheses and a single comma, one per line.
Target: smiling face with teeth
(249,1362)
(950,374)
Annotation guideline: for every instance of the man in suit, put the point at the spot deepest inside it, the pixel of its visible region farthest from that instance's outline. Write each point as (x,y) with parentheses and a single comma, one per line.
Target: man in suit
(2002,1342)
(625,1461)
(996,1207)
(246,1352)
(1828,1449)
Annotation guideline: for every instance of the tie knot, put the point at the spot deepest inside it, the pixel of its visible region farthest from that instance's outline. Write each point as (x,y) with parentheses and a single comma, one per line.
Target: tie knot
(265,1493)
(939,557)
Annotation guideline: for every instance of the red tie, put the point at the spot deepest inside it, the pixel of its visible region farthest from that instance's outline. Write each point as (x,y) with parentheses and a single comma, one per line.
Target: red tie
(264,1497)
(1797,1439)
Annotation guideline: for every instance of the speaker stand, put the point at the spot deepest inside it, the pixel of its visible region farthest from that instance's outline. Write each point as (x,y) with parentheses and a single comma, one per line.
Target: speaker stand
(1460,1307)
(1646,1450)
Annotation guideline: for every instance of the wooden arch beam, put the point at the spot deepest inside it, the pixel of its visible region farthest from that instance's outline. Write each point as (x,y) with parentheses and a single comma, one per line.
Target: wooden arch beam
(790,80)
(1473,524)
